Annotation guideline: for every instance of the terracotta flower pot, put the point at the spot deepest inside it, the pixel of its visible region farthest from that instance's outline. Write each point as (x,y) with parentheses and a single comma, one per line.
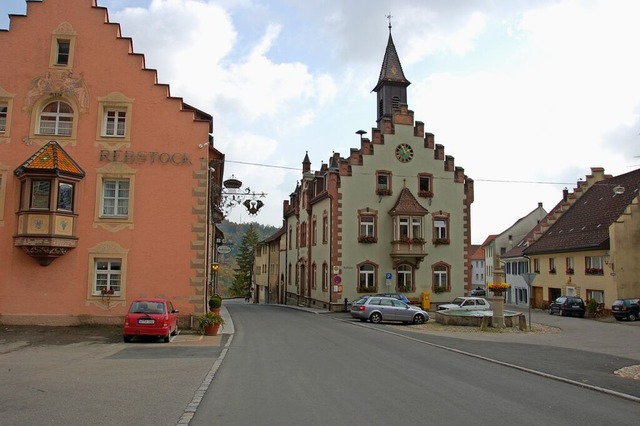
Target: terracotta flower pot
(211,330)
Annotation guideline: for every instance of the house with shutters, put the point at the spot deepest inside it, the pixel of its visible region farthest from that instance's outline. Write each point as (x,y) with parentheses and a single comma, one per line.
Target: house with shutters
(393,215)
(105,177)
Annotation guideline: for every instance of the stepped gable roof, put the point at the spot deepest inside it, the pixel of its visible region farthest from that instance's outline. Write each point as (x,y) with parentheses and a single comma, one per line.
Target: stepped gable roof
(407,204)
(391,70)
(51,158)
(585,225)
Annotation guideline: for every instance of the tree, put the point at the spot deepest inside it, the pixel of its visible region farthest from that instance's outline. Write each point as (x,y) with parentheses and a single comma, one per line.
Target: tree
(245,260)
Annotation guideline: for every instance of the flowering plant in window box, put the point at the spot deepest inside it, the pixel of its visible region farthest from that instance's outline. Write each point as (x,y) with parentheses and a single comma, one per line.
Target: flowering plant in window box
(404,288)
(552,270)
(383,191)
(106,291)
(439,289)
(418,240)
(367,239)
(593,271)
(425,194)
(439,241)
(569,270)
(367,290)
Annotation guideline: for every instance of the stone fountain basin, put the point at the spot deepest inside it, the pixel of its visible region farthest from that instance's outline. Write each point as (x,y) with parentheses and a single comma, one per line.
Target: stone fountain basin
(474,318)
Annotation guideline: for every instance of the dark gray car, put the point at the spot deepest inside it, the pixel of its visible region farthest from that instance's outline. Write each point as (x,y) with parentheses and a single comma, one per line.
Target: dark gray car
(567,305)
(378,309)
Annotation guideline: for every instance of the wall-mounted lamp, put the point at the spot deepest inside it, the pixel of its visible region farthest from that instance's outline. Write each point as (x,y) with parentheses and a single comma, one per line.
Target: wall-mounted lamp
(608,261)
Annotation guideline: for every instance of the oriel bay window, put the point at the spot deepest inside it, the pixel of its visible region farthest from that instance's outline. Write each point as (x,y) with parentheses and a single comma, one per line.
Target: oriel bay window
(47,212)
(409,230)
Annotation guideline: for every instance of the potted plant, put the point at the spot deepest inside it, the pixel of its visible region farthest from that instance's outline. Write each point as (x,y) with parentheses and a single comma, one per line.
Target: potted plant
(592,306)
(214,303)
(210,323)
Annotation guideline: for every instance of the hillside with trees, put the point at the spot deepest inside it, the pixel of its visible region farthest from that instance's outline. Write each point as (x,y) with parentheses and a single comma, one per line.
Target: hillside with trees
(235,266)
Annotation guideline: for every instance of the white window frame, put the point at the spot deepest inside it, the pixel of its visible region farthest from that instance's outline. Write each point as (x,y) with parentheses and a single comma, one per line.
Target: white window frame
(114,123)
(367,226)
(57,118)
(119,200)
(366,277)
(441,277)
(404,276)
(440,227)
(109,278)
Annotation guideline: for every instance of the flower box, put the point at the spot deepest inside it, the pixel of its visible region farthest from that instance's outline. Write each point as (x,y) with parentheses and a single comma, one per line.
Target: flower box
(367,239)
(383,192)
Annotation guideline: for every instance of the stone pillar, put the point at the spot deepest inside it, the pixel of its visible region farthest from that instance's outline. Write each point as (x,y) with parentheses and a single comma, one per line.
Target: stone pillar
(497,300)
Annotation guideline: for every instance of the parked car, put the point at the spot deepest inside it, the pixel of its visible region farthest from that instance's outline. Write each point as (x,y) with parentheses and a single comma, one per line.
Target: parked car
(151,317)
(481,292)
(567,305)
(398,296)
(377,309)
(626,309)
(466,304)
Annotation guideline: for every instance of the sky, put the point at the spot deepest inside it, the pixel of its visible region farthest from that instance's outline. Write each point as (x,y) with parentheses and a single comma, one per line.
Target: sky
(526,95)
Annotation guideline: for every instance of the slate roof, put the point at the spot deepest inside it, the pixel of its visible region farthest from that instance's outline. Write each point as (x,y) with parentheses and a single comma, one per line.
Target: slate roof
(51,158)
(391,70)
(585,225)
(407,204)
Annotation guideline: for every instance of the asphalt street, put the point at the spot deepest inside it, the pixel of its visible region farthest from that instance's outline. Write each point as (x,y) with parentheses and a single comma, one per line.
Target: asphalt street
(150,382)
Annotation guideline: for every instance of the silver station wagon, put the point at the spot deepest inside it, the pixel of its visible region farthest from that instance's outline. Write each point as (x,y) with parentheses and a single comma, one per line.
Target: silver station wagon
(378,309)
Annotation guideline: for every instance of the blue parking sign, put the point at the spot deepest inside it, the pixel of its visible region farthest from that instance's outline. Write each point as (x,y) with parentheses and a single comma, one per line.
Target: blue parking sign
(388,276)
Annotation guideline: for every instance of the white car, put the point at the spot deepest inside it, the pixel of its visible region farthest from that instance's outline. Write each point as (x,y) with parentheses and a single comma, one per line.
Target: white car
(466,304)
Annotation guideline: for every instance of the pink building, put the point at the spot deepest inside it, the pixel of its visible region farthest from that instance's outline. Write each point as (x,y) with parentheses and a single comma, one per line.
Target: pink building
(105,182)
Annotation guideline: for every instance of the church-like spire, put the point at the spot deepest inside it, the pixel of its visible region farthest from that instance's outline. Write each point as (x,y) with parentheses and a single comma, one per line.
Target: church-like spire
(391,70)
(392,84)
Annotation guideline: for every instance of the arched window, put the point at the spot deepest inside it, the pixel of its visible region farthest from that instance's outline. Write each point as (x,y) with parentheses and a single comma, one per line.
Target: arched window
(366,278)
(404,279)
(56,119)
(440,278)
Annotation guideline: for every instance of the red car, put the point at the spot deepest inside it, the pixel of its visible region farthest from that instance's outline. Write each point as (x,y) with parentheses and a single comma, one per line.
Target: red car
(151,317)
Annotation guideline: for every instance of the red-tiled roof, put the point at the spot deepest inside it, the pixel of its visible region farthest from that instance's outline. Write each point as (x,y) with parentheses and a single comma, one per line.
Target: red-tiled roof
(585,225)
(407,204)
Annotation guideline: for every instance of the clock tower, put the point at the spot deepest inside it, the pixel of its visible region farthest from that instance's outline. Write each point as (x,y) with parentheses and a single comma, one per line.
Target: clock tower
(392,84)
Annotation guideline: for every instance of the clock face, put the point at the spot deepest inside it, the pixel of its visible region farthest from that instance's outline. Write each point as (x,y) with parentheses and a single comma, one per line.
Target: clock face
(404,152)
